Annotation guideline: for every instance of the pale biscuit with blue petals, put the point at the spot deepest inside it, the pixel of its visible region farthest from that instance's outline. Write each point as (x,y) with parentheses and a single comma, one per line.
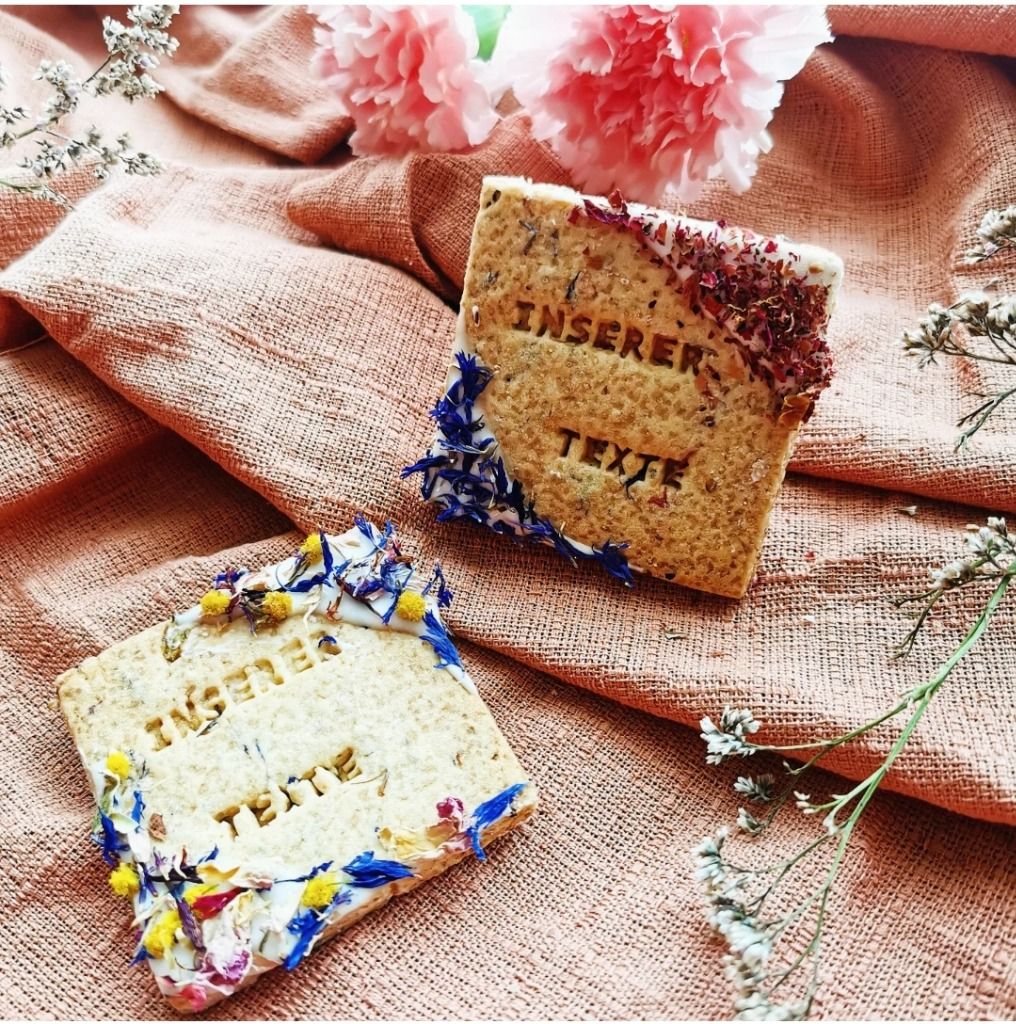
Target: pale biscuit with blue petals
(285,756)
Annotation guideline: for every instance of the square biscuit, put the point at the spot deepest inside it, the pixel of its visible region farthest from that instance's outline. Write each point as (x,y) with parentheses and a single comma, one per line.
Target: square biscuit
(274,763)
(627,383)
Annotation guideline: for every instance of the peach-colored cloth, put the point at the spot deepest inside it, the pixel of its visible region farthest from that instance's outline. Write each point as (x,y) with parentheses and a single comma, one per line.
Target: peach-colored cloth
(241,345)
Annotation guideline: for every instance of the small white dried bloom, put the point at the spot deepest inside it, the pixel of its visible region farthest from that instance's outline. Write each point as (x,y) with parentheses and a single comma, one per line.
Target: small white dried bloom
(752,946)
(57,72)
(992,543)
(730,737)
(953,574)
(803,803)
(67,89)
(141,164)
(997,224)
(759,787)
(763,1009)
(997,230)
(132,50)
(983,541)
(11,115)
(134,46)
(50,195)
(154,18)
(121,78)
(931,333)
(48,160)
(971,305)
(998,526)
(746,981)
(749,823)
(1002,314)
(710,866)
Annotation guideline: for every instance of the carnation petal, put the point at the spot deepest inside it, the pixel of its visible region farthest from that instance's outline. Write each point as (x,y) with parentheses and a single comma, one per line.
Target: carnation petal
(645,99)
(406,75)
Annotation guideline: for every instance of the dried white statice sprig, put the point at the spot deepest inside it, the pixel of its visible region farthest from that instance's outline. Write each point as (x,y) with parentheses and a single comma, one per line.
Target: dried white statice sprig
(990,558)
(997,232)
(133,50)
(976,326)
(761,967)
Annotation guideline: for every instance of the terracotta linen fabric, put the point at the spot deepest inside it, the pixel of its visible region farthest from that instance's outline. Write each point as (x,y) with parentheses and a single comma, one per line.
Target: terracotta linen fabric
(234,69)
(587,911)
(241,346)
(287,375)
(979,28)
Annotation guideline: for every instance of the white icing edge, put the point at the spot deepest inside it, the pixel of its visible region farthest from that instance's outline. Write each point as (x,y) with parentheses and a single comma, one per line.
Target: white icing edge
(367,612)
(801,255)
(262,929)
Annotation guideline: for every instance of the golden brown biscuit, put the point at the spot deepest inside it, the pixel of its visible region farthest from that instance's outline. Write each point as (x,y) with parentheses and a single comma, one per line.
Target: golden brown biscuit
(628,383)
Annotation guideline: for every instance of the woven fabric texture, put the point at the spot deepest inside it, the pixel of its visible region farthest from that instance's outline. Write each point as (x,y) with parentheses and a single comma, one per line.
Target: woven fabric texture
(241,348)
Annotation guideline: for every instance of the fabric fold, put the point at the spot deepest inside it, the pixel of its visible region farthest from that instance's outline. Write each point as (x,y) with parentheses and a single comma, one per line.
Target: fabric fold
(977,28)
(307,374)
(899,210)
(417,213)
(589,910)
(235,69)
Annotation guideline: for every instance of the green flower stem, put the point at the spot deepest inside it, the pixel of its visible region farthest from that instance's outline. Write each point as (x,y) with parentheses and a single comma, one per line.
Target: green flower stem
(866,790)
(488,20)
(980,415)
(824,746)
(783,869)
(926,690)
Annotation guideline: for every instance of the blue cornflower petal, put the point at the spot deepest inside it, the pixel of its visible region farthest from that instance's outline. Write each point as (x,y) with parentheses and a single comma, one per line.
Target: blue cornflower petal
(427,462)
(139,808)
(228,577)
(108,840)
(488,812)
(444,593)
(302,586)
(326,554)
(368,872)
(437,636)
(308,925)
(478,481)
(310,874)
(611,558)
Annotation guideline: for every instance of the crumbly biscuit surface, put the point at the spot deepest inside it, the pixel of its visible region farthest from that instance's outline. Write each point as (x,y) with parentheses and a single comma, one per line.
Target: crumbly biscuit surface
(622,396)
(262,788)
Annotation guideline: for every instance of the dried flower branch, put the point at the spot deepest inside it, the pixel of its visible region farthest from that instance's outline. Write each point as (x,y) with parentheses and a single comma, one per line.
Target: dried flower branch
(997,232)
(757,963)
(976,326)
(990,557)
(132,52)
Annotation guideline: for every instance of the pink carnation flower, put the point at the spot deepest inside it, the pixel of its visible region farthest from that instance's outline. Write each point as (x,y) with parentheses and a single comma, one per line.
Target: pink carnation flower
(642,98)
(406,75)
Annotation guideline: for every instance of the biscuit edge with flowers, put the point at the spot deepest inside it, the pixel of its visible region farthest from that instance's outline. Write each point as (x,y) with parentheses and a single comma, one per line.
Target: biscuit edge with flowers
(282,758)
(627,383)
